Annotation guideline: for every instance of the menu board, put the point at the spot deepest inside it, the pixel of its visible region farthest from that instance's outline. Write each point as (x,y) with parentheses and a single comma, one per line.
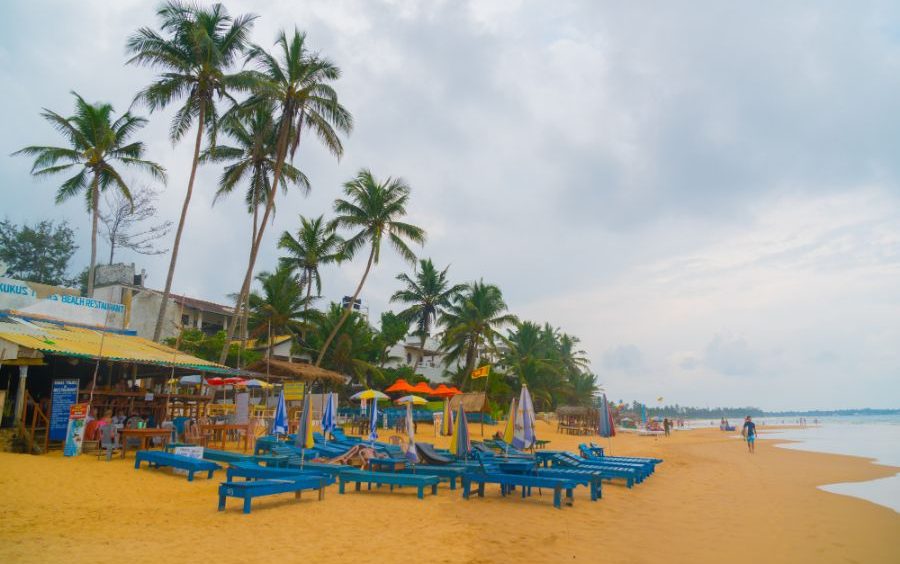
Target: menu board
(63,394)
(293,391)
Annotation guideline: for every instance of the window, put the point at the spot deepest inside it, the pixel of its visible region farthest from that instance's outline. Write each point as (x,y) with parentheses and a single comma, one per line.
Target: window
(408,358)
(185,320)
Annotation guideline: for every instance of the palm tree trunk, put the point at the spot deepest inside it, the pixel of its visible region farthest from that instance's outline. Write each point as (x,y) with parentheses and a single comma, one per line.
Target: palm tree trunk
(281,149)
(306,308)
(187,200)
(95,212)
(349,308)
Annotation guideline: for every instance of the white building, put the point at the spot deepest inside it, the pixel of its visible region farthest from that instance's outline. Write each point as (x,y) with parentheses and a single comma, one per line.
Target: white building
(431,359)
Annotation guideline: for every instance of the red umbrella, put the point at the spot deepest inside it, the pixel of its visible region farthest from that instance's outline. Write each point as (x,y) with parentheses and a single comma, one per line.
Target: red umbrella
(400,385)
(233,380)
(422,388)
(215,381)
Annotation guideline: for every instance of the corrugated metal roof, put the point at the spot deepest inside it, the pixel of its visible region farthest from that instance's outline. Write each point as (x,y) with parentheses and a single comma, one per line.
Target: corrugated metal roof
(90,343)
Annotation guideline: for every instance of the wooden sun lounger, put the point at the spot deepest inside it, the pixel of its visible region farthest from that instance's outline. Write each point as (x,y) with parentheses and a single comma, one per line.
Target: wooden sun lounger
(158,459)
(525,481)
(248,490)
(252,471)
(562,459)
(418,481)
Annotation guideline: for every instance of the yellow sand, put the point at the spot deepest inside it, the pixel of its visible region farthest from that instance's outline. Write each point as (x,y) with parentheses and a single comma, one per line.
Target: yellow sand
(709,502)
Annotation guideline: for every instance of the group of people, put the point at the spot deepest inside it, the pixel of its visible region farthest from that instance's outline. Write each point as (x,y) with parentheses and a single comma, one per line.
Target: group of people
(95,425)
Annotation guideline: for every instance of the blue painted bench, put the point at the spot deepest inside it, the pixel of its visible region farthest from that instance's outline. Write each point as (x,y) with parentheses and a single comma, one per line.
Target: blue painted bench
(418,481)
(158,459)
(259,488)
(560,459)
(252,471)
(524,481)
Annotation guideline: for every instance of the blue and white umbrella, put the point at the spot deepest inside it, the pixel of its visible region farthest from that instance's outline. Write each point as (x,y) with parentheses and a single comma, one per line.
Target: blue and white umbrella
(606,428)
(329,414)
(523,435)
(411,453)
(459,443)
(280,424)
(373,421)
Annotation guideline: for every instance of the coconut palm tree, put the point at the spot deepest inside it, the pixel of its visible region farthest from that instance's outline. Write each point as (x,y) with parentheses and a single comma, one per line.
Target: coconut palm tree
(193,49)
(251,159)
(96,145)
(281,309)
(357,348)
(471,325)
(531,357)
(428,294)
(316,245)
(374,211)
(298,84)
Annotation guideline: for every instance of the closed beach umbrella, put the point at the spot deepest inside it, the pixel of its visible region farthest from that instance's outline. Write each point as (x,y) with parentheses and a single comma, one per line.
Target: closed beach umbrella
(606,428)
(523,435)
(447,420)
(304,431)
(373,422)
(644,414)
(509,429)
(329,414)
(411,454)
(459,444)
(280,423)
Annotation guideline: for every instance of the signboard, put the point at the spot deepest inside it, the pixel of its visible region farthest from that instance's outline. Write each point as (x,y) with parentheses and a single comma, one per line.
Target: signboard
(63,394)
(75,430)
(189,451)
(293,391)
(19,296)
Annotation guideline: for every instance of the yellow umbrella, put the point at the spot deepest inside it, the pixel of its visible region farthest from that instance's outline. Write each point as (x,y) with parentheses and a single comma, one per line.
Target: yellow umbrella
(369,394)
(415,400)
(510,429)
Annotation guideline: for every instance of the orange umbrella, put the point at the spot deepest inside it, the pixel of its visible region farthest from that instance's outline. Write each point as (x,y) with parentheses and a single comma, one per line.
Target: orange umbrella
(444,391)
(400,385)
(422,388)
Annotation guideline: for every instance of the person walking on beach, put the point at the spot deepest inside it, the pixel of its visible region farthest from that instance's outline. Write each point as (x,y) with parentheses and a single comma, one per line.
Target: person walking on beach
(666,426)
(749,433)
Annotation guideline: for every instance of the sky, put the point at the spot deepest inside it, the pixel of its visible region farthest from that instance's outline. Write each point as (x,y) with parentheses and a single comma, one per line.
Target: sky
(707,195)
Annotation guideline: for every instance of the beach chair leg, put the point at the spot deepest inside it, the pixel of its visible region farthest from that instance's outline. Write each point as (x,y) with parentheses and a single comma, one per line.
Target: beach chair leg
(247,500)
(434,489)
(341,487)
(630,482)
(209,475)
(452,483)
(421,492)
(570,497)
(137,463)
(190,475)
(557,494)
(221,502)
(481,489)
(297,494)
(321,492)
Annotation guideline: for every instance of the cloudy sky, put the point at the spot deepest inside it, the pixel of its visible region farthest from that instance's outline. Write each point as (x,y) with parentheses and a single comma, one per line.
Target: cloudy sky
(707,196)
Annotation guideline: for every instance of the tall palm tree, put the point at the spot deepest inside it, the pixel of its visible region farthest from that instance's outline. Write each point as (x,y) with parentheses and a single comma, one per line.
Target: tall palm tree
(280,309)
(316,245)
(251,159)
(471,324)
(193,50)
(374,210)
(428,295)
(298,84)
(96,144)
(531,356)
(356,349)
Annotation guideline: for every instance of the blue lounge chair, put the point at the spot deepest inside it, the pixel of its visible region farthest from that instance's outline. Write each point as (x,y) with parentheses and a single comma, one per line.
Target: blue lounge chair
(592,452)
(158,459)
(251,471)
(557,459)
(359,477)
(490,474)
(248,490)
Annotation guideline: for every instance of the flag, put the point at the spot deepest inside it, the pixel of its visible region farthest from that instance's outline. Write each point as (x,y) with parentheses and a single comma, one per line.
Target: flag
(481,372)
(373,421)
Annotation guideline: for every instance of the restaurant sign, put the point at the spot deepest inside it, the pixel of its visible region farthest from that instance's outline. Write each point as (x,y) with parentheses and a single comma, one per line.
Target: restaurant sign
(63,394)
(75,431)
(21,297)
(293,391)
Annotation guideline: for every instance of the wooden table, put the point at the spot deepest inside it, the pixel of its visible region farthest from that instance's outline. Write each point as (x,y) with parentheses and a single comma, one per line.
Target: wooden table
(143,435)
(223,428)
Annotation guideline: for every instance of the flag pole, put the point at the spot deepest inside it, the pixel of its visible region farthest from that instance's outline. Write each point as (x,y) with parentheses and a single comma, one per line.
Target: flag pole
(486,378)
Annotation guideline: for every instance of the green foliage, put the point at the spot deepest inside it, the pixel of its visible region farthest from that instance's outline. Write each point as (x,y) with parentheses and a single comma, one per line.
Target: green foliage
(281,308)
(38,253)
(201,345)
(356,349)
(316,245)
(393,330)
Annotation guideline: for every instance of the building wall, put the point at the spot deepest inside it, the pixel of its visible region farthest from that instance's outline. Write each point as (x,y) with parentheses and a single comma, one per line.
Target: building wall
(432,365)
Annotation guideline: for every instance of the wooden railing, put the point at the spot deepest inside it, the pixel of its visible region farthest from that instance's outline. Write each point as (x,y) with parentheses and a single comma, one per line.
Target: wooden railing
(37,416)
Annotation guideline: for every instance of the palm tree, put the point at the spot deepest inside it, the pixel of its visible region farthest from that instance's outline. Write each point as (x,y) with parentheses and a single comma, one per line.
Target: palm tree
(251,159)
(471,324)
(96,145)
(583,386)
(428,295)
(531,357)
(280,309)
(356,349)
(298,84)
(316,245)
(374,209)
(194,48)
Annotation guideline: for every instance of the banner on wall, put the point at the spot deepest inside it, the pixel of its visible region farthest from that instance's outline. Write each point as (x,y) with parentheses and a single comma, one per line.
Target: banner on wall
(293,391)
(63,394)
(75,431)
(21,297)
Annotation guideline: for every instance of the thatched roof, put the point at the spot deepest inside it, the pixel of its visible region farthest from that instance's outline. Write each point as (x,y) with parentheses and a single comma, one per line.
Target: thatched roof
(283,370)
(472,402)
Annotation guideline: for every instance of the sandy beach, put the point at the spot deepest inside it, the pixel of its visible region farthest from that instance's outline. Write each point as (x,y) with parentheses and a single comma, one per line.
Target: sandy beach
(709,502)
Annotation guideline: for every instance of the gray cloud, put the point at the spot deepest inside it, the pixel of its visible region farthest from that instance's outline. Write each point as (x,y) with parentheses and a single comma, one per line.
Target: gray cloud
(626,359)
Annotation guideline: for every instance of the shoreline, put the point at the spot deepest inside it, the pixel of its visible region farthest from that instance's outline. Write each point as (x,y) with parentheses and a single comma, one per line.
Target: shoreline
(709,501)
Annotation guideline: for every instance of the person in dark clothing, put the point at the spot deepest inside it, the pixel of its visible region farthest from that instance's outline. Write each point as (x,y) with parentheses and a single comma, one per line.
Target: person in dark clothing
(667,425)
(749,433)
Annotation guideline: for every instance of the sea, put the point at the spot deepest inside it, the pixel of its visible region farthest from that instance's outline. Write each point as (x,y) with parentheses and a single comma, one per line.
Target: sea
(870,436)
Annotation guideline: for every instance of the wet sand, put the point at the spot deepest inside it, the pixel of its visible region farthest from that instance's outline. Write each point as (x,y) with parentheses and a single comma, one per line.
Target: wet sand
(709,501)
